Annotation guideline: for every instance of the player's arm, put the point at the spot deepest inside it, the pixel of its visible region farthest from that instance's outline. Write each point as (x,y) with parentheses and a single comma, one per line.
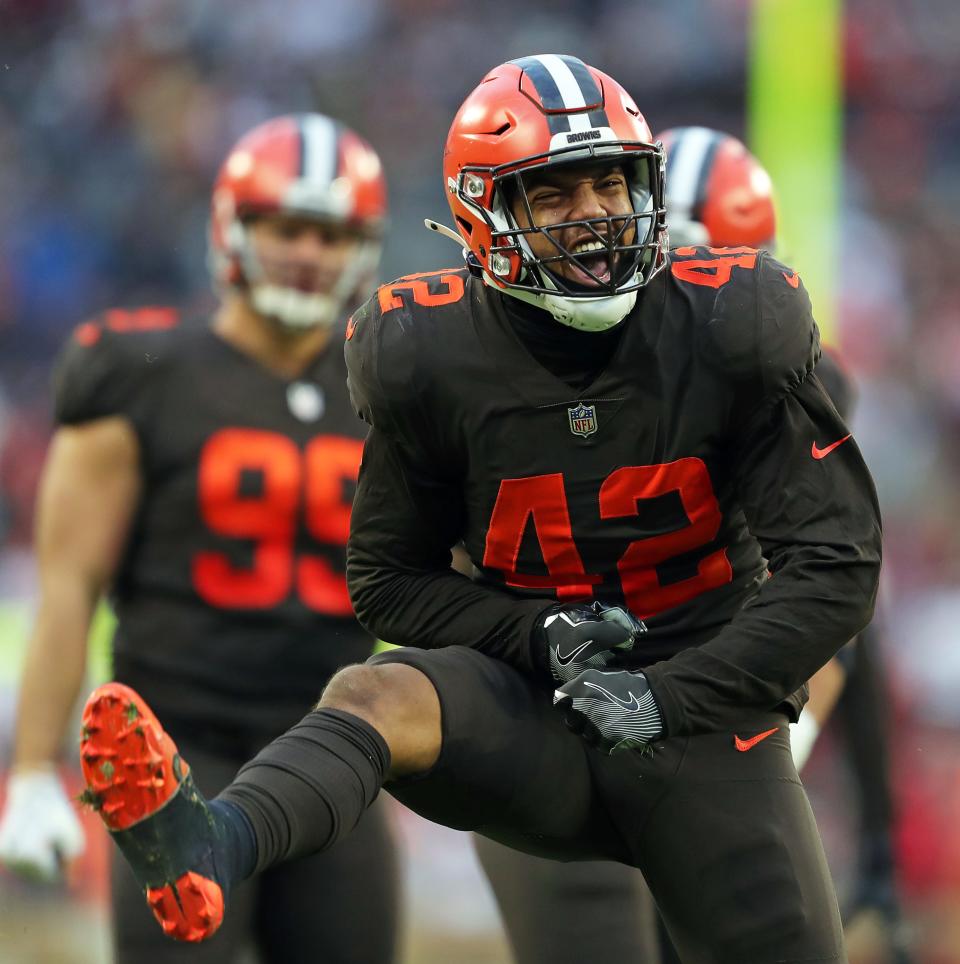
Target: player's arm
(826,685)
(405,519)
(88,494)
(812,506)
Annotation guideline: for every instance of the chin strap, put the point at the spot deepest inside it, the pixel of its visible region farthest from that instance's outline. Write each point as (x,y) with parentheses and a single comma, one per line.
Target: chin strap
(292,308)
(584,314)
(300,310)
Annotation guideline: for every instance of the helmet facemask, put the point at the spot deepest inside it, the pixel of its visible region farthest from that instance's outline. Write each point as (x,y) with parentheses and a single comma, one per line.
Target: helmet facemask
(630,244)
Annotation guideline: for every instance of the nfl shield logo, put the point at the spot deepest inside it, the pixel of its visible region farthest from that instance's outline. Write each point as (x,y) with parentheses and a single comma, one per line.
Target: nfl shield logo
(583,419)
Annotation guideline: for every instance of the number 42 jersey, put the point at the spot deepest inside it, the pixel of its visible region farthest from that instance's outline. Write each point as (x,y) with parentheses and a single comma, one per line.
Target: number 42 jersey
(703,479)
(231,597)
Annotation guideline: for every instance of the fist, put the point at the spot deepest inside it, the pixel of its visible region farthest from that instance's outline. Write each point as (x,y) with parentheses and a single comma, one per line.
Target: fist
(585,636)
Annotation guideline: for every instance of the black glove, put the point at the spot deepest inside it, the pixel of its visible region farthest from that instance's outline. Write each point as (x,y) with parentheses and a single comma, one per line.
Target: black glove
(613,710)
(581,636)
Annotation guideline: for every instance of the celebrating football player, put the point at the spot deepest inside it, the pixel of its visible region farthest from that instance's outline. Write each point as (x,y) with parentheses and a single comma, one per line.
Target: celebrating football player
(621,437)
(203,474)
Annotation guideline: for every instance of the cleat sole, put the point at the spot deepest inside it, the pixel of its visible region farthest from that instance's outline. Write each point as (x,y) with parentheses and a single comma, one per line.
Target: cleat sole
(133,771)
(126,756)
(190,909)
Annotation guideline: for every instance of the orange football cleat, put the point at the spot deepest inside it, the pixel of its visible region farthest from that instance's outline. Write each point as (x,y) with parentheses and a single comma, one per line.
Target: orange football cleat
(145,795)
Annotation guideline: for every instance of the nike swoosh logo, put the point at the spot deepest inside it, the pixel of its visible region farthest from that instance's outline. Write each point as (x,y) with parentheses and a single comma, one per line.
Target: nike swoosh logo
(819,453)
(744,745)
(792,279)
(563,659)
(631,706)
(351,327)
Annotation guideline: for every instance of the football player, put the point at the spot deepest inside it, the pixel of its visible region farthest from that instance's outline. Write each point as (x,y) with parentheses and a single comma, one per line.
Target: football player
(203,474)
(621,437)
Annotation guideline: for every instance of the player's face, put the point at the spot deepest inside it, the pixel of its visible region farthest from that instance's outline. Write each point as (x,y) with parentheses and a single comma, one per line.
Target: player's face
(302,253)
(576,193)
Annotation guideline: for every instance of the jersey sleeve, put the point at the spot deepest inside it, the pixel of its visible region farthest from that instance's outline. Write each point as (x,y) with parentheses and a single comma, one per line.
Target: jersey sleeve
(405,520)
(808,499)
(109,366)
(380,351)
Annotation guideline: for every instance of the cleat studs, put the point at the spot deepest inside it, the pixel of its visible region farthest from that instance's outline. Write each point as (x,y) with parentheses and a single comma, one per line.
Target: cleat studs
(90,799)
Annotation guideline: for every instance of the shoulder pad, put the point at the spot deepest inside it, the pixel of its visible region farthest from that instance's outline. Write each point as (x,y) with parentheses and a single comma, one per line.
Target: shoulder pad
(388,339)
(110,362)
(759,327)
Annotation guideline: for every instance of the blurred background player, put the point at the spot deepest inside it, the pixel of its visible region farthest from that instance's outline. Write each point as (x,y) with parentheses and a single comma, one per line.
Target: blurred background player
(203,475)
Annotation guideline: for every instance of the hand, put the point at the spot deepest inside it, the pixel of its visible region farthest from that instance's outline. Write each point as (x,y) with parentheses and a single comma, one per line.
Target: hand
(39,829)
(584,636)
(613,710)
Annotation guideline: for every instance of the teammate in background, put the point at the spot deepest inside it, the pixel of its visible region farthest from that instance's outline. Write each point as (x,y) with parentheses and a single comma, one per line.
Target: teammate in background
(606,426)
(203,475)
(719,194)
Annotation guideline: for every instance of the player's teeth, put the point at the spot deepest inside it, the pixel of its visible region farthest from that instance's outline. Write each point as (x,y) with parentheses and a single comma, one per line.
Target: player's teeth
(586,246)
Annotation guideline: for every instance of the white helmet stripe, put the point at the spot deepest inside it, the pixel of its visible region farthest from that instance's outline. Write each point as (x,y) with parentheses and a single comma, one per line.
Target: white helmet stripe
(685,168)
(319,135)
(569,89)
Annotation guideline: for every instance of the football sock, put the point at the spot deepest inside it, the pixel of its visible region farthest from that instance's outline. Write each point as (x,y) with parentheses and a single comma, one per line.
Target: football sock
(307,788)
(237,843)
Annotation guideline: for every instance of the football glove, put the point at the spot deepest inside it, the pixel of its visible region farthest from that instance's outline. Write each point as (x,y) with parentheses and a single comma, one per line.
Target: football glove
(803,734)
(584,636)
(39,829)
(613,710)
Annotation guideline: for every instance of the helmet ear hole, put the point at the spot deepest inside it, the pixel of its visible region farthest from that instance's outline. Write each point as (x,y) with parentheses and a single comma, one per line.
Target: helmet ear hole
(465,226)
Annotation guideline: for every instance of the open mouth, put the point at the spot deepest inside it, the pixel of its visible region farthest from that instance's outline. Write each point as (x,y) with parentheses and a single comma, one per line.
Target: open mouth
(593,266)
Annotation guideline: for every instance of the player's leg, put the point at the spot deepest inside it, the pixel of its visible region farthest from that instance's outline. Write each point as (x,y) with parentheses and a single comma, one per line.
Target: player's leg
(732,853)
(570,913)
(508,767)
(339,907)
(863,709)
(136,937)
(299,795)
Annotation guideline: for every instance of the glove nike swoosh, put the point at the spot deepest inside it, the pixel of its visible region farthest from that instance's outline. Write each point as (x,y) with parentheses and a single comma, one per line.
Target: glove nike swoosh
(632,705)
(564,658)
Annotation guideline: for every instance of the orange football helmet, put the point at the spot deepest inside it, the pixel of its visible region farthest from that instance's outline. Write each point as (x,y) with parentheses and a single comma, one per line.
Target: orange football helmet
(307,165)
(718,193)
(542,111)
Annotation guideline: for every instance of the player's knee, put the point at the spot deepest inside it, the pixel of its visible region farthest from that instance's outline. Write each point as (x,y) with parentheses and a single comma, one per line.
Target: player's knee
(381,694)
